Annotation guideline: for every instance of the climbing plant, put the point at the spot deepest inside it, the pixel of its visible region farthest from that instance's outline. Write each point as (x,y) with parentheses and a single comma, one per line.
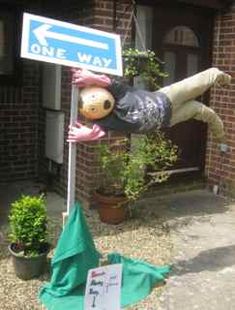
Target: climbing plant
(144,64)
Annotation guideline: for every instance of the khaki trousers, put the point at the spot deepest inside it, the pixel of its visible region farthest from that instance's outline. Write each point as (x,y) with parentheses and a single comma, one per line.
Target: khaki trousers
(184,106)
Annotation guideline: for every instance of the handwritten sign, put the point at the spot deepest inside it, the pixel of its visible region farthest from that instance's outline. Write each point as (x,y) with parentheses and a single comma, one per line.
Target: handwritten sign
(103,288)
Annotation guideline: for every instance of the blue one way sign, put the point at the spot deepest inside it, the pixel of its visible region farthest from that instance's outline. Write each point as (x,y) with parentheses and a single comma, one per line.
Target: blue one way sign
(58,42)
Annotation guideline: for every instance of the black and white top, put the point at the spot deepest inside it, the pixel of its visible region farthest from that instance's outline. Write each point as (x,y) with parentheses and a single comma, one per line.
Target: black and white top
(136,110)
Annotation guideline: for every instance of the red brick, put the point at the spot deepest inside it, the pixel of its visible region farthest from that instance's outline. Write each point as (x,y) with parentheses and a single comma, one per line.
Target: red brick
(222,100)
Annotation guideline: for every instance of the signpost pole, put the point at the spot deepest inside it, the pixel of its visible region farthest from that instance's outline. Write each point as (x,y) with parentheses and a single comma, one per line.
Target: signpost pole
(72,152)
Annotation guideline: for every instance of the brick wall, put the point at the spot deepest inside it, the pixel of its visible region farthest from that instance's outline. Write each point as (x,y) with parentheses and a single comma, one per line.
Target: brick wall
(19,107)
(220,169)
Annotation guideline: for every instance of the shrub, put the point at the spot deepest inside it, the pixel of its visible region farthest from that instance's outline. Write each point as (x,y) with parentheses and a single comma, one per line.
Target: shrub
(125,169)
(28,224)
(144,64)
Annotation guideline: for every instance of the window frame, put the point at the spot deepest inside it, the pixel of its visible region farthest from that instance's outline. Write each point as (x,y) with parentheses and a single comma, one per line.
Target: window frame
(181,51)
(182,44)
(11,19)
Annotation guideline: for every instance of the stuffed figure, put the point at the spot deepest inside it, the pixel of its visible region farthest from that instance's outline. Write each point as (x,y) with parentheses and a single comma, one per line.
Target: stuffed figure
(112,105)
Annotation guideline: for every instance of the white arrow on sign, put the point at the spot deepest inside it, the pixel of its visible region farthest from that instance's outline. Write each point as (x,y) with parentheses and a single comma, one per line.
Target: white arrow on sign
(42,32)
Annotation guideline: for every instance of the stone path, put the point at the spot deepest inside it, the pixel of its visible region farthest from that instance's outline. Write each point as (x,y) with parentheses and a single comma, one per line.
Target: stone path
(203,231)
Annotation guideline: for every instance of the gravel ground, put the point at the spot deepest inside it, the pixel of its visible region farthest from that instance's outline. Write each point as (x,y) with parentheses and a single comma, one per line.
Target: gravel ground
(145,236)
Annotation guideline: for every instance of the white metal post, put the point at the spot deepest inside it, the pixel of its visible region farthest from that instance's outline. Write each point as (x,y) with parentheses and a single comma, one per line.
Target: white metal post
(72,152)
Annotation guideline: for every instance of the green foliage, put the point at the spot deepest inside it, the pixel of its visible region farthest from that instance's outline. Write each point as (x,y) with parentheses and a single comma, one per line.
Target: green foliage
(125,168)
(28,224)
(144,64)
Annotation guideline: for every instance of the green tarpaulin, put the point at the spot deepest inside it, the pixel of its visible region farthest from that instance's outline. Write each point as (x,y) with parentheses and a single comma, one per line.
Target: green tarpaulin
(75,254)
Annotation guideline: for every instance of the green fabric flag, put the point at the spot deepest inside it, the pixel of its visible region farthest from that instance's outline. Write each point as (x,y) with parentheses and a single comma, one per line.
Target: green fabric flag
(75,254)
(138,278)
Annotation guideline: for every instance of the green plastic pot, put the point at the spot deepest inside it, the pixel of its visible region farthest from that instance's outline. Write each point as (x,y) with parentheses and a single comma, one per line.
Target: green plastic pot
(27,268)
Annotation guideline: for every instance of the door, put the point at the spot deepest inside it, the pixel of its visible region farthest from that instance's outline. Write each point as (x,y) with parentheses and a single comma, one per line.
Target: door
(182,39)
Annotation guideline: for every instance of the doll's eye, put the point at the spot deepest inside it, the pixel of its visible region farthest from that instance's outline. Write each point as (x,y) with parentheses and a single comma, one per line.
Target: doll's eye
(107,104)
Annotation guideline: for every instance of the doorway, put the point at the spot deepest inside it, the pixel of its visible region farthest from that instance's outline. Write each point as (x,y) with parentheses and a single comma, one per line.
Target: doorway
(182,38)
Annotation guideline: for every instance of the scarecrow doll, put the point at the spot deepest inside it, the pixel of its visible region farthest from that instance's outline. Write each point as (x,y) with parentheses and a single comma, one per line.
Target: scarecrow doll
(112,105)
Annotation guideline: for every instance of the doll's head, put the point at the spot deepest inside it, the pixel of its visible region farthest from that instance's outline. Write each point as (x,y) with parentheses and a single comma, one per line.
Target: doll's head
(95,102)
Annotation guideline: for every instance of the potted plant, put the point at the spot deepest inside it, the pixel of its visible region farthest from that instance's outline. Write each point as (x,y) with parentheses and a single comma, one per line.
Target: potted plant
(144,64)
(125,178)
(28,236)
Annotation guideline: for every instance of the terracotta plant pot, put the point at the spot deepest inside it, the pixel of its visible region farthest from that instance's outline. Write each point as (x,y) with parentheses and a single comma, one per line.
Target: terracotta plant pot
(111,209)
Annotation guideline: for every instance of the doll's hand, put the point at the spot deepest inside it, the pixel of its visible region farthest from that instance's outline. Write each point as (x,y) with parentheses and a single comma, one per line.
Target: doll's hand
(79,133)
(84,78)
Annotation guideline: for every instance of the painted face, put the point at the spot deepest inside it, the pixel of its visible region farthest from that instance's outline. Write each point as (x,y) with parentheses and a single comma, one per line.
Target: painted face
(95,102)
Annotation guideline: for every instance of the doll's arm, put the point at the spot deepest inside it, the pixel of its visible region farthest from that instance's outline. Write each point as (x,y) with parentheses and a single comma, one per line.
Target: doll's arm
(84,78)
(79,133)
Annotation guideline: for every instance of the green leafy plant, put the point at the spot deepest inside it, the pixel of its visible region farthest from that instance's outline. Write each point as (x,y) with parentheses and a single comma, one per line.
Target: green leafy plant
(125,169)
(144,64)
(28,225)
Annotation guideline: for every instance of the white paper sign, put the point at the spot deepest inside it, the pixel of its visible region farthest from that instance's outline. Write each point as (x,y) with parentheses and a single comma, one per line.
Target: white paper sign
(103,288)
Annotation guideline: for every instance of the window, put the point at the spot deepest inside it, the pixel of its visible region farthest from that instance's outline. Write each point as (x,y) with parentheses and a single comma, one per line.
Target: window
(181,54)
(143,34)
(2,39)
(6,43)
(181,35)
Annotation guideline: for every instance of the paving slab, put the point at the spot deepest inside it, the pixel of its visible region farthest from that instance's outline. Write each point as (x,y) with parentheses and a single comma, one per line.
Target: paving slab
(203,231)
(9,192)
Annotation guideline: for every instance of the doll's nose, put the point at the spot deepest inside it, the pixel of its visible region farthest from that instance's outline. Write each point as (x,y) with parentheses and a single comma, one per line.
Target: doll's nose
(93,108)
